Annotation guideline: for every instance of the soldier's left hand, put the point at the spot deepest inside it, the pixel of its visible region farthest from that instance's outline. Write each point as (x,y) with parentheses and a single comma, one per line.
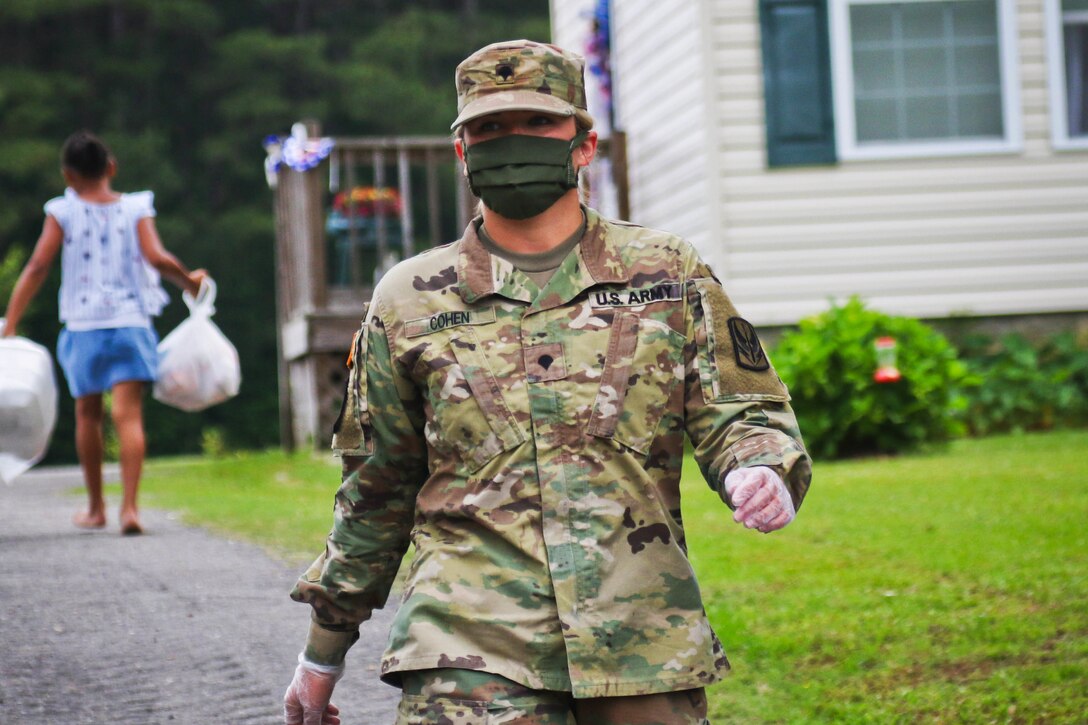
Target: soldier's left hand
(760,498)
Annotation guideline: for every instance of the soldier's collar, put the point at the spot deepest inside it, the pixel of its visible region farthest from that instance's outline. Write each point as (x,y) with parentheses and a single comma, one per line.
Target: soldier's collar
(599,251)
(479,275)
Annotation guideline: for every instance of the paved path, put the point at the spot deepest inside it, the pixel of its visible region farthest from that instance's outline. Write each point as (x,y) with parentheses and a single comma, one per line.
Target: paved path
(177,626)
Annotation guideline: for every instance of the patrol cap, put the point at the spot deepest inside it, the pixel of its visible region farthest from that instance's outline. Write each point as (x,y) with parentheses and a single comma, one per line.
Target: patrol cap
(521,75)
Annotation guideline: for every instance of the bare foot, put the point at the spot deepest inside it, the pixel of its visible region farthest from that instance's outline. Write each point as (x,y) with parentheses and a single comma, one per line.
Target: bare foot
(87,520)
(130,525)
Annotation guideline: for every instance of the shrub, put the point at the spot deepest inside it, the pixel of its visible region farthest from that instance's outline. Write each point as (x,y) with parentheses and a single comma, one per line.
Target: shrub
(828,364)
(1066,358)
(10,266)
(1022,386)
(213,443)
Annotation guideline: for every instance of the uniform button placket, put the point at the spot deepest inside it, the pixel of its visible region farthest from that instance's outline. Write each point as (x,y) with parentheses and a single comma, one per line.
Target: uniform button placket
(554,484)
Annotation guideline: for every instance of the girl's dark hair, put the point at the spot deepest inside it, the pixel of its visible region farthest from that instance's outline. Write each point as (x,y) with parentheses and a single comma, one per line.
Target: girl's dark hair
(85,154)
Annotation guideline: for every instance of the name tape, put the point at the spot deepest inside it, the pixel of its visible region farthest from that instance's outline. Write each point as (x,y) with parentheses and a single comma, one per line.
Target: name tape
(445,320)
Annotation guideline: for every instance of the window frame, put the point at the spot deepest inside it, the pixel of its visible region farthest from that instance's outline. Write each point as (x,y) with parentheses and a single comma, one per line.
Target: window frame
(842,74)
(1059,109)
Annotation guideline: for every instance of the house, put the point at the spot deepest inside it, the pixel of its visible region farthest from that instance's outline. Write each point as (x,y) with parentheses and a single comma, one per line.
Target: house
(930,156)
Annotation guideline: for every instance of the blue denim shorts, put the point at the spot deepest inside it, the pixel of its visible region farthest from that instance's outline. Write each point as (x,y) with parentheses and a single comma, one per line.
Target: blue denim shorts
(94,361)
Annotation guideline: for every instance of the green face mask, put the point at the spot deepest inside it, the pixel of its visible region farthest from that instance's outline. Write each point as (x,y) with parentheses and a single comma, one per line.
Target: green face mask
(520,176)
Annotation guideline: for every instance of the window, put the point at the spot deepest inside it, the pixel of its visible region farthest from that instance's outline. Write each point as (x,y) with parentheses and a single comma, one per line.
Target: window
(925,77)
(1067,36)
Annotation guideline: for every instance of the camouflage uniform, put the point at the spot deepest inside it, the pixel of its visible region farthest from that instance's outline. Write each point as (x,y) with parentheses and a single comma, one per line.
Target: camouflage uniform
(467,697)
(529,443)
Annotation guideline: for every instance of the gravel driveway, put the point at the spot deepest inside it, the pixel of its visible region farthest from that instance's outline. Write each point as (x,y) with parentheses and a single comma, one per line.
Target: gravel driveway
(177,626)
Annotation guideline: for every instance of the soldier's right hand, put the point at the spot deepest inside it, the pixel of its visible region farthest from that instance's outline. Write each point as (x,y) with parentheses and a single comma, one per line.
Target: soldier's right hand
(306,701)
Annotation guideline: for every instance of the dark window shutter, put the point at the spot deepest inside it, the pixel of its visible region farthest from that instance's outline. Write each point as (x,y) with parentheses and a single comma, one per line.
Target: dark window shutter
(797,82)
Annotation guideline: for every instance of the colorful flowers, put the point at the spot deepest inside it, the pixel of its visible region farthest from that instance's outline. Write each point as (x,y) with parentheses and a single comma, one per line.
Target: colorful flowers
(297,151)
(367,201)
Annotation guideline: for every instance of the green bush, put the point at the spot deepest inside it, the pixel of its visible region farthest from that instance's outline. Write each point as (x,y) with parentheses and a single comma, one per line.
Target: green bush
(11,264)
(213,442)
(1022,386)
(1066,357)
(828,364)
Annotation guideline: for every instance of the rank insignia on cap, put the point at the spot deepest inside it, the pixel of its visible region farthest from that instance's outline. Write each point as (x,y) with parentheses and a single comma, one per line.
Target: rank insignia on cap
(746,346)
(504,73)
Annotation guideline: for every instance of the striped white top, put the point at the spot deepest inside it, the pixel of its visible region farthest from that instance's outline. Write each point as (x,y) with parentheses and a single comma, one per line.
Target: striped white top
(105,280)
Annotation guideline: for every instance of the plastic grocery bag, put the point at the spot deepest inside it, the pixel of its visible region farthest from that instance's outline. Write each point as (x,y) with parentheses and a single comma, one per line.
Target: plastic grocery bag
(28,404)
(198,366)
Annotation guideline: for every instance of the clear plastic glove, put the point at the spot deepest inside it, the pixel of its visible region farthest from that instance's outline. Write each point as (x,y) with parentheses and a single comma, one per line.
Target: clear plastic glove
(306,701)
(760,498)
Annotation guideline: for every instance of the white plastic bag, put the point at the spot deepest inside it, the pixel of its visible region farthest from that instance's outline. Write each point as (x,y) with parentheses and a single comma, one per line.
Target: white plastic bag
(198,366)
(28,404)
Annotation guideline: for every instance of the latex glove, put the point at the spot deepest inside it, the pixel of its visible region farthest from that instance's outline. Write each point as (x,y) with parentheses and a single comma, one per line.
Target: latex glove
(306,701)
(760,498)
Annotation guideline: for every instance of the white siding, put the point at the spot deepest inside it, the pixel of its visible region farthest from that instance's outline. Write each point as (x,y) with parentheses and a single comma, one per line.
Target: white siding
(662,92)
(1000,234)
(572,29)
(570,23)
(973,235)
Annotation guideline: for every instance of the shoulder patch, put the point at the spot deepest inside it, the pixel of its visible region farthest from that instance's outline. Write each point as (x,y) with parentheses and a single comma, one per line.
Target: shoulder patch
(746,346)
(731,361)
(447,319)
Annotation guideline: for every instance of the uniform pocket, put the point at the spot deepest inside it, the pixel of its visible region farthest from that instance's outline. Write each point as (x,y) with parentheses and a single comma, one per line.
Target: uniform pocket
(539,707)
(643,366)
(352,433)
(470,414)
(438,710)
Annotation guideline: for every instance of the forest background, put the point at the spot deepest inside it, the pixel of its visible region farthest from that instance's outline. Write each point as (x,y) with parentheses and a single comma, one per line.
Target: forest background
(184,92)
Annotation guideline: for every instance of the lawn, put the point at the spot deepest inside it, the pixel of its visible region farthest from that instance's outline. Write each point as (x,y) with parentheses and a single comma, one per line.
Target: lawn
(945,587)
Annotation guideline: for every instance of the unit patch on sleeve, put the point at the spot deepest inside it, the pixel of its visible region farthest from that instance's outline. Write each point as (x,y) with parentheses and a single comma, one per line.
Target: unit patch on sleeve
(746,347)
(447,319)
(635,297)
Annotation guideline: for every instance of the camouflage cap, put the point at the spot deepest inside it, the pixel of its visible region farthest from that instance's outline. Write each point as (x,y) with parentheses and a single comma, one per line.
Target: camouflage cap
(521,75)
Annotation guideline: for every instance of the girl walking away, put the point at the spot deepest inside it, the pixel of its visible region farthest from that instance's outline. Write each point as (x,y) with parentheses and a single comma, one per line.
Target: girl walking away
(111,262)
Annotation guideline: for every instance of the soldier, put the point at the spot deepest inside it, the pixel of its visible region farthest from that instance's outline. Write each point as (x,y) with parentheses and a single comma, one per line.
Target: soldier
(516,409)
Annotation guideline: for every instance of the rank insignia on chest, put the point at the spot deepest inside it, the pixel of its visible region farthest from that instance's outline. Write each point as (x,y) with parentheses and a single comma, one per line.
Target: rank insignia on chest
(447,319)
(634,297)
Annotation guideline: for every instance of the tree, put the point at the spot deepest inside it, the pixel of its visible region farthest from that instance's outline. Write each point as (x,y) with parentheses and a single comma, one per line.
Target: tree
(184,91)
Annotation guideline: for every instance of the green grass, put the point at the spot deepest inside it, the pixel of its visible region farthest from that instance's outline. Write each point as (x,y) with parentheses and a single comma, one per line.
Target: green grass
(282,502)
(947,587)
